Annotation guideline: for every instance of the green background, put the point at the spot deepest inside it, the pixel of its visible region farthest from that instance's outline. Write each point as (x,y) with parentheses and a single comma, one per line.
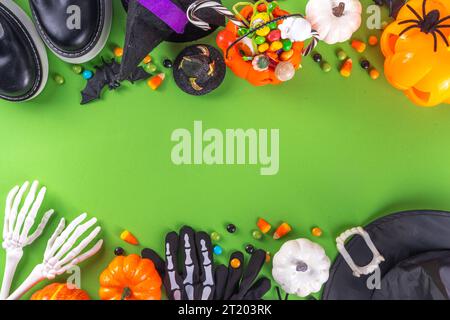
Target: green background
(351,150)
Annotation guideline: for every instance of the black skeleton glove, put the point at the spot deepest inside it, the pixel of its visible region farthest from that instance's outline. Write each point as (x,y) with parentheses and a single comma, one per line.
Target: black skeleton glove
(239,284)
(194,280)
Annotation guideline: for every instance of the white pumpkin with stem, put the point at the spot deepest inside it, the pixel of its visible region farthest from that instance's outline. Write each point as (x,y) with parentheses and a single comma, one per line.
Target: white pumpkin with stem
(301,267)
(334,20)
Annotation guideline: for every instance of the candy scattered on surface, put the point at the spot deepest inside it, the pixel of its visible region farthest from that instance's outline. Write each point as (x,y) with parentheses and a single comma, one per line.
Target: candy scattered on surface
(235,263)
(346,69)
(274,35)
(359,46)
(156,81)
(374,74)
(317,57)
(365,64)
(231,228)
(287,44)
(263,47)
(268,257)
(282,231)
(118,52)
(250,249)
(286,55)
(342,55)
(150,67)
(316,232)
(257,235)
(218,250)
(373,40)
(284,71)
(275,46)
(59,79)
(167,63)
(147,59)
(119,251)
(263,225)
(215,236)
(326,67)
(128,237)
(263,32)
(87,74)
(77,69)
(260,40)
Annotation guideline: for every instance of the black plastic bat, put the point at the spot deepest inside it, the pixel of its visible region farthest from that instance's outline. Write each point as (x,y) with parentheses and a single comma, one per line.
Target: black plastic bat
(106,75)
(393,5)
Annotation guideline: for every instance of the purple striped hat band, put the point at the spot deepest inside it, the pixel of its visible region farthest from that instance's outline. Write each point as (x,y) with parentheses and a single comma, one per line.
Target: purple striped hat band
(168,12)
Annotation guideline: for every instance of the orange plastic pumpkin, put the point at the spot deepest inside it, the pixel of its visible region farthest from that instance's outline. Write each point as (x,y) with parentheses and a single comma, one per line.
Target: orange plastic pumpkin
(244,69)
(130,278)
(60,291)
(416,47)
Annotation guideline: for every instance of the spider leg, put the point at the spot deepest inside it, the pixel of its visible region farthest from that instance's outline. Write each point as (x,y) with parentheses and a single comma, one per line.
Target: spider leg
(435,41)
(443,19)
(443,37)
(424,8)
(443,26)
(408,21)
(407,29)
(414,12)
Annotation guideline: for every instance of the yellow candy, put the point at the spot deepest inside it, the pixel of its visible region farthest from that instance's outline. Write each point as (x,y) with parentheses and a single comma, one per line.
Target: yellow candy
(263,32)
(235,263)
(276,45)
(263,48)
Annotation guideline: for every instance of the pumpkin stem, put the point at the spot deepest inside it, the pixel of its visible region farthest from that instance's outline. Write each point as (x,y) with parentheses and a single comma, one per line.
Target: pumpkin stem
(339,10)
(301,267)
(126,293)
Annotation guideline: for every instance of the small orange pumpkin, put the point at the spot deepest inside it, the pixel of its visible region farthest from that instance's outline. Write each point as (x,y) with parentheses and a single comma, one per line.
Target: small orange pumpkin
(417,51)
(130,278)
(244,69)
(60,291)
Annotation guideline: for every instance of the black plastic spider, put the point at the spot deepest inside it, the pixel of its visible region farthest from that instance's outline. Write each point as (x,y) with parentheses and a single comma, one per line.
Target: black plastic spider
(430,22)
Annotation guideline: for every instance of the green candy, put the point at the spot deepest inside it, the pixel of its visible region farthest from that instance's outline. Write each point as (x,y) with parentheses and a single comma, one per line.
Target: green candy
(326,67)
(342,55)
(215,236)
(77,69)
(273,26)
(257,235)
(272,6)
(287,44)
(260,40)
(245,58)
(150,68)
(242,31)
(59,79)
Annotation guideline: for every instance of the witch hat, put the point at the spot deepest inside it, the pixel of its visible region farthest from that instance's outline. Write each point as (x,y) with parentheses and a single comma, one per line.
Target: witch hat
(151,22)
(413,251)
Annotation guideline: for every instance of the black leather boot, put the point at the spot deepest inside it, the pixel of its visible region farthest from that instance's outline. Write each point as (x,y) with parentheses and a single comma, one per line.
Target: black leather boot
(23,60)
(75,30)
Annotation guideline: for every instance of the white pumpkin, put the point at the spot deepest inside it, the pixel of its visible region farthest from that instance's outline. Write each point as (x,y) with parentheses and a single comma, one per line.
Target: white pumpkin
(301,267)
(334,20)
(295,29)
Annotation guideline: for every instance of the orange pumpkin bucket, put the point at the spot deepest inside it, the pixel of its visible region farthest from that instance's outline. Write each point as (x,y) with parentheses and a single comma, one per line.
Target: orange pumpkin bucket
(262,49)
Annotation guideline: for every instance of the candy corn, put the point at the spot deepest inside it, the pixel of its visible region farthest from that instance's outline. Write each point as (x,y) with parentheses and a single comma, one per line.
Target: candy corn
(118,52)
(263,225)
(155,81)
(374,74)
(316,232)
(373,41)
(359,46)
(282,230)
(147,59)
(128,237)
(346,69)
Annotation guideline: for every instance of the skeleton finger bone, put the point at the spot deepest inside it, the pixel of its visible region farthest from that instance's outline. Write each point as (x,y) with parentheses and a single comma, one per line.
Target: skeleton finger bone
(24,211)
(9,201)
(37,233)
(15,206)
(96,248)
(31,217)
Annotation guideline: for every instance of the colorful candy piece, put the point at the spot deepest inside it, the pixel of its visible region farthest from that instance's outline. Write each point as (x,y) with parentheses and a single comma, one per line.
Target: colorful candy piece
(373,40)
(263,47)
(317,57)
(263,32)
(260,40)
(316,232)
(359,46)
(374,74)
(231,228)
(274,35)
(282,231)
(263,225)
(286,55)
(287,44)
(150,68)
(167,63)
(257,235)
(77,69)
(275,46)
(215,236)
(346,69)
(119,251)
(128,237)
(118,52)
(156,81)
(365,64)
(326,67)
(87,74)
(342,55)
(218,250)
(284,71)
(147,59)
(268,257)
(59,79)
(235,263)
(250,249)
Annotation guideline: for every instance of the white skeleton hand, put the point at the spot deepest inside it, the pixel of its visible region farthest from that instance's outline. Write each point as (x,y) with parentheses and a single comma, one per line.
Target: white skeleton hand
(60,255)
(17,226)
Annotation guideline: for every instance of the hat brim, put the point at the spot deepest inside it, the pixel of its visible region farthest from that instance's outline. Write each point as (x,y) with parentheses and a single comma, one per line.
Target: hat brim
(397,237)
(213,83)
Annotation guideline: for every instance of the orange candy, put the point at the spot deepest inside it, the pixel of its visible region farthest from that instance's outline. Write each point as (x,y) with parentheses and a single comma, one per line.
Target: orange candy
(156,81)
(128,237)
(359,46)
(373,41)
(263,225)
(147,59)
(282,230)
(118,52)
(235,263)
(374,74)
(346,69)
(316,232)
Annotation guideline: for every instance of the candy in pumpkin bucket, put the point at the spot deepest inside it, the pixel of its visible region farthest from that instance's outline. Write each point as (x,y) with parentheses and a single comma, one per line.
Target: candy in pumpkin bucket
(261,43)
(417,50)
